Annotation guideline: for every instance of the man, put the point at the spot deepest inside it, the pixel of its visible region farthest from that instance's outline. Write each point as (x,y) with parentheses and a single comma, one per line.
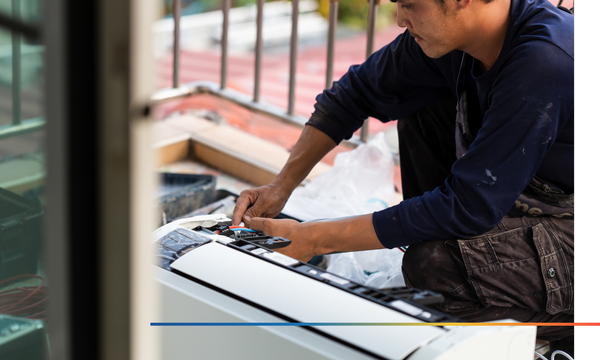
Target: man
(488,181)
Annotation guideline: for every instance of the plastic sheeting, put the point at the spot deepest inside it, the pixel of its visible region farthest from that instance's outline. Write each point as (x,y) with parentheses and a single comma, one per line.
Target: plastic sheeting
(360,182)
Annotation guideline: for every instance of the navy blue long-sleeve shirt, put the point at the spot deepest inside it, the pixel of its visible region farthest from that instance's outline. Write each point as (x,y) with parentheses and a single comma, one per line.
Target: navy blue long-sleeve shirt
(526,100)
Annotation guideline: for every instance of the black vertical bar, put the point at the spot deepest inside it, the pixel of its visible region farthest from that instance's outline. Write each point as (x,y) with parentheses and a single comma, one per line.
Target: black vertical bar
(82,111)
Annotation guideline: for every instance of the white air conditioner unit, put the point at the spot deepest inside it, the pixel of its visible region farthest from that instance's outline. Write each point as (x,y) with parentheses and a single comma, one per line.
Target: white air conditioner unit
(223,297)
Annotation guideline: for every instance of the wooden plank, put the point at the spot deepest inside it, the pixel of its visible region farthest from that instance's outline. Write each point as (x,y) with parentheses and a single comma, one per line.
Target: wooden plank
(191,124)
(251,172)
(244,154)
(224,147)
(162,131)
(172,152)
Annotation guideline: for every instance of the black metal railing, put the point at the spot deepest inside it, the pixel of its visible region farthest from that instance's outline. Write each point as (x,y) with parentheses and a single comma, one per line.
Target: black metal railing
(253,102)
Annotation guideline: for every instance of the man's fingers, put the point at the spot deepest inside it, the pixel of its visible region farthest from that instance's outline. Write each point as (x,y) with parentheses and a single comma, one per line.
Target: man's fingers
(260,202)
(255,210)
(273,227)
(256,223)
(241,205)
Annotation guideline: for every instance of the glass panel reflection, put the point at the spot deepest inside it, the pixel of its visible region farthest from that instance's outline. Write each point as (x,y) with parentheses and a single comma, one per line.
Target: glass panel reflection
(23,283)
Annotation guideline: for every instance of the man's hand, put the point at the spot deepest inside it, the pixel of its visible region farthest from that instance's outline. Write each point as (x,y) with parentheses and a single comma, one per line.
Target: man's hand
(318,238)
(301,248)
(265,201)
(268,200)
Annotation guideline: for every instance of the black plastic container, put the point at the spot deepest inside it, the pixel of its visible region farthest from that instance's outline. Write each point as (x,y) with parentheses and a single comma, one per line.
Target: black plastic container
(180,194)
(20,234)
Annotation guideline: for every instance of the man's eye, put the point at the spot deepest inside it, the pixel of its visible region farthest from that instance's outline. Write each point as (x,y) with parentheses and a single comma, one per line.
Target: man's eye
(404,6)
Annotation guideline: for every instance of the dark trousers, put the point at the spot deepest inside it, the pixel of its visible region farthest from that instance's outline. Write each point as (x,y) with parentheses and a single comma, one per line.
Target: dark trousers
(521,270)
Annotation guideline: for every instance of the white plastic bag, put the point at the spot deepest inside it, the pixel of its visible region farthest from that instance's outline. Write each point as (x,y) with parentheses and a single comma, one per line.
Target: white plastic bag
(360,182)
(374,268)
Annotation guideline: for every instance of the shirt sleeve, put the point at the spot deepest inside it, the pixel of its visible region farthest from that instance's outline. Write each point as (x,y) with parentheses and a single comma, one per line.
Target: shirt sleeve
(530,102)
(392,83)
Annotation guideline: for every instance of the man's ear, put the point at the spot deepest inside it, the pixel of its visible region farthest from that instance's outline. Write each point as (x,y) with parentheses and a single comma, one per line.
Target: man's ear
(461,4)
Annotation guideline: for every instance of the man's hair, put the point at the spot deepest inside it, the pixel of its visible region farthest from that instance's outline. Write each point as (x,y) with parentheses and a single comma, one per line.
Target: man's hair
(442,4)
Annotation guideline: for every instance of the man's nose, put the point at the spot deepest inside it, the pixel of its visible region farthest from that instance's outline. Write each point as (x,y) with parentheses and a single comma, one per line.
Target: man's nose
(402,20)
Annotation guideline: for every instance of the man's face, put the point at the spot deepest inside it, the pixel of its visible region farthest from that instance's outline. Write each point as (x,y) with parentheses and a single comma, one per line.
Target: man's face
(436,29)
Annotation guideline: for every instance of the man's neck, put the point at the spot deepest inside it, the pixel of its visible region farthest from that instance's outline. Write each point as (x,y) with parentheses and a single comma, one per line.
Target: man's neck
(489,32)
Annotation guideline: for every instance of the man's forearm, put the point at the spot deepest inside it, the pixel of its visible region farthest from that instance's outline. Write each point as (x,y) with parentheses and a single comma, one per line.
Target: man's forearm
(318,238)
(311,147)
(351,234)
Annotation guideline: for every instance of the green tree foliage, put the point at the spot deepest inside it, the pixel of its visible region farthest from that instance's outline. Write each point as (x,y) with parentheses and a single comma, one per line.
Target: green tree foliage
(189,7)
(352,13)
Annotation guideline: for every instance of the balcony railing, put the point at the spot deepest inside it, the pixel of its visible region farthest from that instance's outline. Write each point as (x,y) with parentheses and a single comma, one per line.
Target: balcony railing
(253,103)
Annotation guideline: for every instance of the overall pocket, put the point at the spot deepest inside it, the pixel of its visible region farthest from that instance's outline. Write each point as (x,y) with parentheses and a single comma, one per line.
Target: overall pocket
(522,267)
(558,278)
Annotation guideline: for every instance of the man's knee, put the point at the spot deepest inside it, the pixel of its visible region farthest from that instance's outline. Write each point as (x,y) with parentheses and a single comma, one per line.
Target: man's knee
(429,266)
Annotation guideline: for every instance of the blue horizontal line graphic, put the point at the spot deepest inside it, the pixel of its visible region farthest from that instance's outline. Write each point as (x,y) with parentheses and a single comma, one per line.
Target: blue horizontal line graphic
(248,324)
(494,324)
